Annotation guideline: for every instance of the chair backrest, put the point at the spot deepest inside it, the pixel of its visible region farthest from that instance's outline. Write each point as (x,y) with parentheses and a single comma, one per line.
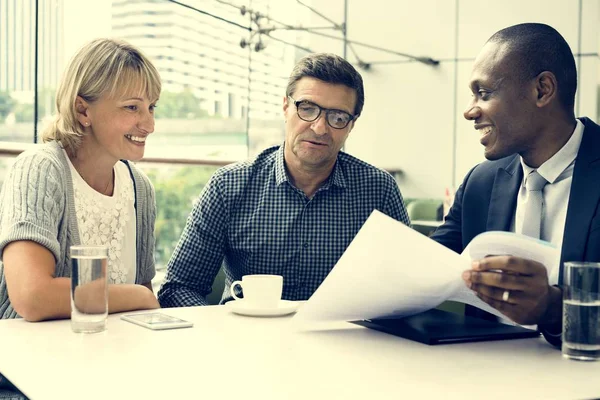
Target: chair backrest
(423,209)
(217,288)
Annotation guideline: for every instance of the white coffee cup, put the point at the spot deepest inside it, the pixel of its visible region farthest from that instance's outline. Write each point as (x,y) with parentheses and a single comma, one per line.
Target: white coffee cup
(260,291)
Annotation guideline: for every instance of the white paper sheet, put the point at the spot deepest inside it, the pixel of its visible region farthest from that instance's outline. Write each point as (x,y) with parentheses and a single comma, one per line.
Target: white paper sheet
(391,269)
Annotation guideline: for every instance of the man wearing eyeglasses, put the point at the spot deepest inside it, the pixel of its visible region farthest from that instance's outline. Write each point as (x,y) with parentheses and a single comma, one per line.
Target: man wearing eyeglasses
(293,209)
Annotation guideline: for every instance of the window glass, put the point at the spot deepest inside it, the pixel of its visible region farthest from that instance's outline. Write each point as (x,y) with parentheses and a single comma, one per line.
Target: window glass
(177,187)
(221,99)
(17,69)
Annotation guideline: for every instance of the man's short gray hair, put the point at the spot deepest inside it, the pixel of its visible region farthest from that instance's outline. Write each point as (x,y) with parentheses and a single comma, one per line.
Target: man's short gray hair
(328,68)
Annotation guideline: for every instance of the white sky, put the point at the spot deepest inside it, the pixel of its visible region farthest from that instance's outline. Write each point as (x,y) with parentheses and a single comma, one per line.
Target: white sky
(85,20)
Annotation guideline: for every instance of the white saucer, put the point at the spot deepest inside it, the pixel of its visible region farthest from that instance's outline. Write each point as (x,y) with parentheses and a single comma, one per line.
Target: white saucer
(284,307)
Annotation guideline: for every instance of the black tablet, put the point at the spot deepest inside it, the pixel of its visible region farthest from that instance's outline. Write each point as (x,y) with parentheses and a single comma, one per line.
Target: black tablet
(442,327)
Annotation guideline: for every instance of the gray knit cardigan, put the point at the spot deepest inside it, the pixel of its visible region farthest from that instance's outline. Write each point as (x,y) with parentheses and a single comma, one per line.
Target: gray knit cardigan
(37,204)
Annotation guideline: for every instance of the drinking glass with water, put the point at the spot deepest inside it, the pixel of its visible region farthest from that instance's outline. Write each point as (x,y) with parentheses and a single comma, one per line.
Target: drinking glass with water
(89,288)
(581,311)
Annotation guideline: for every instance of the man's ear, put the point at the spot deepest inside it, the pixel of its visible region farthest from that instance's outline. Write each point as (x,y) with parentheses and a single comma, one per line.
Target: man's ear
(286,104)
(352,125)
(81,107)
(546,87)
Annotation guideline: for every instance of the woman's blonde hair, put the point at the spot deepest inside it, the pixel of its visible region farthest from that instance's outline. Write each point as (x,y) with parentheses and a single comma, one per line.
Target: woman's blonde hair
(102,66)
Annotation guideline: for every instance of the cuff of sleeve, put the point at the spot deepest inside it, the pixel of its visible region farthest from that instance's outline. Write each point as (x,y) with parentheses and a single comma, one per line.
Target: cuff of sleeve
(25,230)
(552,334)
(553,331)
(169,297)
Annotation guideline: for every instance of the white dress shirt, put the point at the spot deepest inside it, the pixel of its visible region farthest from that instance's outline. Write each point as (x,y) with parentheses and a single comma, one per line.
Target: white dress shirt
(558,171)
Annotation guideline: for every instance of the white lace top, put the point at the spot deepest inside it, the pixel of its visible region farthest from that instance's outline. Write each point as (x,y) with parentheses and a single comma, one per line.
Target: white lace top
(109,221)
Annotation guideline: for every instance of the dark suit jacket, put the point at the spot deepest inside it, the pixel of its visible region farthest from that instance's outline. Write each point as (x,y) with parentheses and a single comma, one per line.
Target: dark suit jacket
(487,198)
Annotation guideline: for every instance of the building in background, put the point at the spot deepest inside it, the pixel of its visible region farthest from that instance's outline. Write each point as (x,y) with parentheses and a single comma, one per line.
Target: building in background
(17,63)
(17,44)
(202,62)
(220,99)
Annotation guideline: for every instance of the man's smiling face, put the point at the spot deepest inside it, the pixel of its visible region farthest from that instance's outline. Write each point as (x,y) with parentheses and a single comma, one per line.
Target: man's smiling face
(503,106)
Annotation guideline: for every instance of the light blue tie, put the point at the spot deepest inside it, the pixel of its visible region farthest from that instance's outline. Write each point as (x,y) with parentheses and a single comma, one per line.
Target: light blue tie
(534,205)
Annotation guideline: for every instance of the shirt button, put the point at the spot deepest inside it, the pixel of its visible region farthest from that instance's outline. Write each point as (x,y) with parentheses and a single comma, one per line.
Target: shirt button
(305,245)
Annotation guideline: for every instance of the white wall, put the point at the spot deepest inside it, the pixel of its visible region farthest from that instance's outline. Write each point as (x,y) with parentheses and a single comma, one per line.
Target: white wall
(85,20)
(412,118)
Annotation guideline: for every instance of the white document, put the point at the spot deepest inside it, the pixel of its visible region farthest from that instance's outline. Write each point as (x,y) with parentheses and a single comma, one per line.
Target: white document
(391,269)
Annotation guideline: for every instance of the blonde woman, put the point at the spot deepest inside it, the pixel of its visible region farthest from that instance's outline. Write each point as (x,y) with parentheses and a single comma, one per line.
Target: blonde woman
(78,188)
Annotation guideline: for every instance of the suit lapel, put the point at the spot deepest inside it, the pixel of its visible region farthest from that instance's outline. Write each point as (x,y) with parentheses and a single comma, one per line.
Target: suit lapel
(584,195)
(501,211)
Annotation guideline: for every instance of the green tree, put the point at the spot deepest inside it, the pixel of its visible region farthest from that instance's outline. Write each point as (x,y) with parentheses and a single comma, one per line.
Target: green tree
(6,104)
(24,111)
(180,105)
(175,193)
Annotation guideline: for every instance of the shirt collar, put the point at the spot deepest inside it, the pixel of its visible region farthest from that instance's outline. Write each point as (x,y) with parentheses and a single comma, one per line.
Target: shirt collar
(336,178)
(559,162)
(280,173)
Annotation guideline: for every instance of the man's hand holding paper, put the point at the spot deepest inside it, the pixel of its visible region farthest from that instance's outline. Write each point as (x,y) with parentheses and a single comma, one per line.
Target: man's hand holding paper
(515,286)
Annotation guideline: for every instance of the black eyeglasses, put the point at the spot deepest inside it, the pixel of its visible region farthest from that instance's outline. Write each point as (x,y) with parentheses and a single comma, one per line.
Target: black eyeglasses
(310,112)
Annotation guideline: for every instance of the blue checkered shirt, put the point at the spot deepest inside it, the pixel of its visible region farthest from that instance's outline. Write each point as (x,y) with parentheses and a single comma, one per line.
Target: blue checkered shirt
(252,220)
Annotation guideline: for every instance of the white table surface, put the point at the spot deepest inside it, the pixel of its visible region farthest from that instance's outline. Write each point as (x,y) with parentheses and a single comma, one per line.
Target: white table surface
(229,356)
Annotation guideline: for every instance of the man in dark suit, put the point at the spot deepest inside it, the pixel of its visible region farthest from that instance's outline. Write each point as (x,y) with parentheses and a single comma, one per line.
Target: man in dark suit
(523,84)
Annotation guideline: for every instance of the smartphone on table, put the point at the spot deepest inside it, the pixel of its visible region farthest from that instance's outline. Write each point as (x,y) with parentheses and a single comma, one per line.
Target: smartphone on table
(156,321)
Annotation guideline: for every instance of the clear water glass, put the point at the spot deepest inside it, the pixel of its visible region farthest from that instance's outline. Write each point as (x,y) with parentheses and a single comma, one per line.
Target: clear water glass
(89,288)
(581,311)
